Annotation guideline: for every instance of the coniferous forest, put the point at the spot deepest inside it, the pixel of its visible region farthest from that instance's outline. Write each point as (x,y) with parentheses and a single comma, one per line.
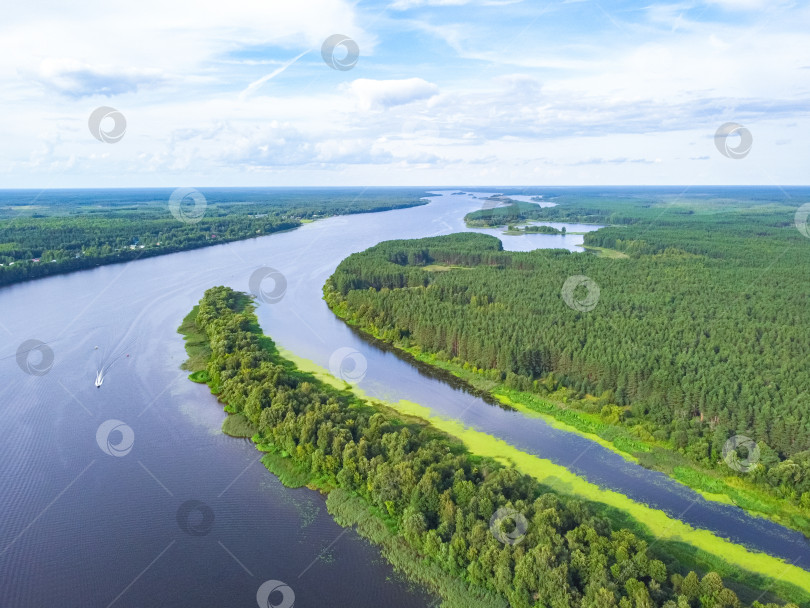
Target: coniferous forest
(432,501)
(699,332)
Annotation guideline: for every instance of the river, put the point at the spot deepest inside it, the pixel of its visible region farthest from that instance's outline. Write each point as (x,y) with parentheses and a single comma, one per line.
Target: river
(85,527)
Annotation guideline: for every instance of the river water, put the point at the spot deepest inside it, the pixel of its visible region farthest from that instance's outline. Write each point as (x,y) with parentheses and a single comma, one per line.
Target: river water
(92,518)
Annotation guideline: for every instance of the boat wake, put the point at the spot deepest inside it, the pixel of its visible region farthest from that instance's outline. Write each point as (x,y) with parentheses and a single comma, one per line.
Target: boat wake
(105,361)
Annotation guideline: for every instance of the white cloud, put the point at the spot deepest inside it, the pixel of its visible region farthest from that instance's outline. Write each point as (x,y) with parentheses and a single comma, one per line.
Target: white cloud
(76,79)
(181,37)
(382,94)
(553,92)
(750,5)
(403,5)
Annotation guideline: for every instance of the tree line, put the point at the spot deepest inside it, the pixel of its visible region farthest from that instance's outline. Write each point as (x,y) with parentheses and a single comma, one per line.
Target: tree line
(698,336)
(66,230)
(435,496)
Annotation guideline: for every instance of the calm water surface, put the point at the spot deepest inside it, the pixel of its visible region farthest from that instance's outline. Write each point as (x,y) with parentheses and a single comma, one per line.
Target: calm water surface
(81,527)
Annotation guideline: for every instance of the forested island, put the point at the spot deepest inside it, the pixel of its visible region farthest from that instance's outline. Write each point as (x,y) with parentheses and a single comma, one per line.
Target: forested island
(420,495)
(504,211)
(59,231)
(698,334)
(514,230)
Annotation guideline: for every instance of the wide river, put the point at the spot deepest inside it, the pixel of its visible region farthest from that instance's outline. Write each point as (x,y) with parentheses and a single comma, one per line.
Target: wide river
(85,523)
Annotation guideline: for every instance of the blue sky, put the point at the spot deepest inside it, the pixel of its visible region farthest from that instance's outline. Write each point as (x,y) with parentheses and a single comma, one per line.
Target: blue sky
(444,92)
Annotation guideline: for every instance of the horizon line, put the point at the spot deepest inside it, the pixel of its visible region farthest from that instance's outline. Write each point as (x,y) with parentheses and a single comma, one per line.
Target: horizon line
(418,187)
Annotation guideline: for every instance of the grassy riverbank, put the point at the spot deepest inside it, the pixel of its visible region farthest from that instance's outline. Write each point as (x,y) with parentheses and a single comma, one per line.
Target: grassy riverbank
(676,354)
(698,548)
(587,417)
(235,341)
(750,571)
(561,411)
(348,509)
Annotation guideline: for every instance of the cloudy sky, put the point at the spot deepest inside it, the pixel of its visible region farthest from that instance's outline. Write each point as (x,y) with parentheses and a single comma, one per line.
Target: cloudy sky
(444,92)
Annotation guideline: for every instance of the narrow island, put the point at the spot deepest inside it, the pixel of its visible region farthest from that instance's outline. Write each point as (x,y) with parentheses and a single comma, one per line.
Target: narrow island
(513,230)
(431,505)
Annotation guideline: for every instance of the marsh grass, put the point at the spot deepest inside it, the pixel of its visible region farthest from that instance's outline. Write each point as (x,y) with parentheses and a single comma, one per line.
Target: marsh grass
(677,543)
(349,510)
(237,425)
(566,414)
(683,549)
(196,344)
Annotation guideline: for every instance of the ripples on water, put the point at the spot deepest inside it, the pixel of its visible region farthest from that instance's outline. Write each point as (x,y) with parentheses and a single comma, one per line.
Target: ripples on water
(81,526)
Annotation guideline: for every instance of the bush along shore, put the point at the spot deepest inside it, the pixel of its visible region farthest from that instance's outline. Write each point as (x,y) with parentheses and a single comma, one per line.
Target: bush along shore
(472,530)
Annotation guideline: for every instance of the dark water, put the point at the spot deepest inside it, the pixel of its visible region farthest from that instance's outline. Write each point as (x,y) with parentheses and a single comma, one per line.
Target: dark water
(80,527)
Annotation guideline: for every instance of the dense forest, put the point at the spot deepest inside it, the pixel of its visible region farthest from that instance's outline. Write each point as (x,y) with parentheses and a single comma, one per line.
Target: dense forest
(59,231)
(501,211)
(633,205)
(541,229)
(436,499)
(698,333)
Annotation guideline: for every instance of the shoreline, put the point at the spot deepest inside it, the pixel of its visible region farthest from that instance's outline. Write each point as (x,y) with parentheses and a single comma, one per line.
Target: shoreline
(131,255)
(704,539)
(566,419)
(552,475)
(348,510)
(775,577)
